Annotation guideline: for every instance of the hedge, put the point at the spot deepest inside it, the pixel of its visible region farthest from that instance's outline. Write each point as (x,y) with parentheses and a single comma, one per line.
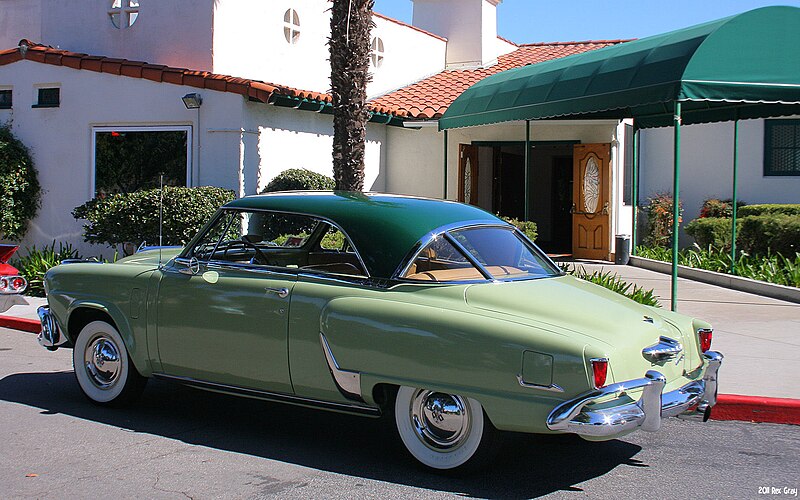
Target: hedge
(770,234)
(528,228)
(133,217)
(769,209)
(712,231)
(299,179)
(19,187)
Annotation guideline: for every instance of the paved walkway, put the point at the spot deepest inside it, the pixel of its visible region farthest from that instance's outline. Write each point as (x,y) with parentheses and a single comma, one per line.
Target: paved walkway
(759,336)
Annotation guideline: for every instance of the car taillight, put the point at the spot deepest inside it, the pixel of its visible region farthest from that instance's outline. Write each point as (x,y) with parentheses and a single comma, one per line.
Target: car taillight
(599,371)
(13,284)
(18,284)
(705,335)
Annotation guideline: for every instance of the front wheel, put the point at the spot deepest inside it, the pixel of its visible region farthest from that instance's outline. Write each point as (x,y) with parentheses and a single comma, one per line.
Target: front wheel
(103,368)
(443,431)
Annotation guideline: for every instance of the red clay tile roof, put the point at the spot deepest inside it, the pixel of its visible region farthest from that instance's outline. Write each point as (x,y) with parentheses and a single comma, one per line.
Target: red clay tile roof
(253,89)
(429,98)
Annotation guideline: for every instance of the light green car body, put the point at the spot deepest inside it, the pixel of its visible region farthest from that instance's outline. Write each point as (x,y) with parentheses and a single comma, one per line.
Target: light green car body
(501,343)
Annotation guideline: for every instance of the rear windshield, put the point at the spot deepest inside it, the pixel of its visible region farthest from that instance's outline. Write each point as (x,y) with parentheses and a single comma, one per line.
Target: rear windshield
(465,254)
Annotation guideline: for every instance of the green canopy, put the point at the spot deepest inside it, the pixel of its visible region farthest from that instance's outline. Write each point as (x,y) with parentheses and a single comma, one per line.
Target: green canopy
(743,66)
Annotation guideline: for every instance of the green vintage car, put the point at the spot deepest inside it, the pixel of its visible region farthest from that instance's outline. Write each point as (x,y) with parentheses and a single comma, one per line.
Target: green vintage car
(435,312)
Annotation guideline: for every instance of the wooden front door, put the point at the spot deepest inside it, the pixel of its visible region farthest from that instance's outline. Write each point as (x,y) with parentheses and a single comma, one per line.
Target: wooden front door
(468,174)
(591,201)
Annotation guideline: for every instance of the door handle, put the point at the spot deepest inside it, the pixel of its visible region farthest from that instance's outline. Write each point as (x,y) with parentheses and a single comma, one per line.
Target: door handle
(280,292)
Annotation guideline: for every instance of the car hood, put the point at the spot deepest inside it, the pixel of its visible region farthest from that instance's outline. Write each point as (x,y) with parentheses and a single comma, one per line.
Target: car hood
(569,303)
(151,257)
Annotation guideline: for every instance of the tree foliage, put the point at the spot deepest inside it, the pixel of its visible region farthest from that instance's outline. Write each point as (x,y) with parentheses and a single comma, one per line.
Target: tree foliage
(19,187)
(351,22)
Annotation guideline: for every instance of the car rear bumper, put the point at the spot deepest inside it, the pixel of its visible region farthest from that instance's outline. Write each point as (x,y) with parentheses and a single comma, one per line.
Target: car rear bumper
(692,401)
(50,337)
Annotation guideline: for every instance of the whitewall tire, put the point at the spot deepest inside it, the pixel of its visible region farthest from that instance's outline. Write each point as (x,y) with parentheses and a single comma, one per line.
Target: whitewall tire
(442,431)
(102,366)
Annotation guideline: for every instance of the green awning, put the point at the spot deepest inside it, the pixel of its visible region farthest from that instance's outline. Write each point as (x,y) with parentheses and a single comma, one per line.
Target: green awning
(745,66)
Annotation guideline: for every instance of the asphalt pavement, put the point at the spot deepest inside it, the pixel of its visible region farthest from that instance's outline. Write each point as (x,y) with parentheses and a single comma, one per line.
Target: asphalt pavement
(178,442)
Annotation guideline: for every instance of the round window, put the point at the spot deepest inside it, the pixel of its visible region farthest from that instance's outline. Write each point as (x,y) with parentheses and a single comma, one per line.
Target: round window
(291,26)
(123,13)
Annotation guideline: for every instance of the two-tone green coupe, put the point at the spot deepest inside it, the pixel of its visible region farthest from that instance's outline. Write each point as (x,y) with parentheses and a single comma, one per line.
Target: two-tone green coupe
(435,312)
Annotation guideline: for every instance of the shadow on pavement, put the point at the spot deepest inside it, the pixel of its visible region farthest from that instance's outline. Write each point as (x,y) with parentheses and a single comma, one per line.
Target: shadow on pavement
(529,466)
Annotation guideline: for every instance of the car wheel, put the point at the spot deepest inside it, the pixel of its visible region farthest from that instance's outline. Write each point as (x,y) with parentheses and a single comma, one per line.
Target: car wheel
(443,431)
(103,368)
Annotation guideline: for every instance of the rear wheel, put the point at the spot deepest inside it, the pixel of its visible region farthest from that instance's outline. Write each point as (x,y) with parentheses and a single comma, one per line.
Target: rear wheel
(103,367)
(443,431)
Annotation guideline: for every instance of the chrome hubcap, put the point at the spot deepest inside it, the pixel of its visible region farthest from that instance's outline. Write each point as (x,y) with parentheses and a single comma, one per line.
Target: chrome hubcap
(441,421)
(102,362)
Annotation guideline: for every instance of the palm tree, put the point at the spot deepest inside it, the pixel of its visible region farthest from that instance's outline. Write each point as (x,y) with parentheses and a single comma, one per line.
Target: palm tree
(351,22)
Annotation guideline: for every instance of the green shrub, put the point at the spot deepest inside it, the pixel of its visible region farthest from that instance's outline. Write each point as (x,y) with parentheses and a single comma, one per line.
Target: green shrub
(36,261)
(772,268)
(770,234)
(613,282)
(528,228)
(299,179)
(769,209)
(714,207)
(133,217)
(712,231)
(659,220)
(19,187)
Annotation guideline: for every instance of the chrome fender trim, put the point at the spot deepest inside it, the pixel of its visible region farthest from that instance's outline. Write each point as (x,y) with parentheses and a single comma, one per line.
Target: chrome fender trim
(50,337)
(664,350)
(348,382)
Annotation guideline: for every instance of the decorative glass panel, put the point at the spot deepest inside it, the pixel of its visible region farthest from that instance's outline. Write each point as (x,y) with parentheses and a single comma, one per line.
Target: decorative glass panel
(468,181)
(591,186)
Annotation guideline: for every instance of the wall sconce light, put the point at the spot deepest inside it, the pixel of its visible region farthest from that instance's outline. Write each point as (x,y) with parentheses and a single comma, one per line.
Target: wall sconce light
(192,101)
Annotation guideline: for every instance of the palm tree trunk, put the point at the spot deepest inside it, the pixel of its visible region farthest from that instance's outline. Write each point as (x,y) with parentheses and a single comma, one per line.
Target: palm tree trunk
(351,21)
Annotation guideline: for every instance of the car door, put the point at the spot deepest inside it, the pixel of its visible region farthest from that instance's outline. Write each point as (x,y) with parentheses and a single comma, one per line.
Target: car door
(222,317)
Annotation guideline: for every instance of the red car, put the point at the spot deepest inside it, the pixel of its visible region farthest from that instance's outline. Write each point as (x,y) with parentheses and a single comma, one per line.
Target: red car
(10,280)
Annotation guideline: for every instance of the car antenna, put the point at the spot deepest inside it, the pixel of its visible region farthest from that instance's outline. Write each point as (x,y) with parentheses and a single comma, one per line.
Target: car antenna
(160,218)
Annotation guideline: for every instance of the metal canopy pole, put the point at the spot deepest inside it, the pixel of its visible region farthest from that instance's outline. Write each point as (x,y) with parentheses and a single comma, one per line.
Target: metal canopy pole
(635,188)
(444,188)
(676,212)
(527,166)
(735,197)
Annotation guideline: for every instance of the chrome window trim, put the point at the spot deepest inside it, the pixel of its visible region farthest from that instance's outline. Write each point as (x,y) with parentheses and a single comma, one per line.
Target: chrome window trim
(423,243)
(468,255)
(223,210)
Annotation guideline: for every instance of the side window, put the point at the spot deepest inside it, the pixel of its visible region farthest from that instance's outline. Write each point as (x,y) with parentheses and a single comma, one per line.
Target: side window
(334,240)
(440,261)
(204,248)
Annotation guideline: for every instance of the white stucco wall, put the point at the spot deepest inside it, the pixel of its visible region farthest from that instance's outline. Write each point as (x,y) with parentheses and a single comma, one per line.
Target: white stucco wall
(169,32)
(287,138)
(61,138)
(19,19)
(707,167)
(249,42)
(470,27)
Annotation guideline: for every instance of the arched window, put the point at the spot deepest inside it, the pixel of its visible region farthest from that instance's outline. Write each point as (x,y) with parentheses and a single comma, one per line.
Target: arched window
(377,52)
(123,13)
(291,26)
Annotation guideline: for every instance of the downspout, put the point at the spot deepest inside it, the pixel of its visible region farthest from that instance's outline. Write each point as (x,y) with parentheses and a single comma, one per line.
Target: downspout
(676,212)
(735,197)
(635,188)
(444,189)
(527,168)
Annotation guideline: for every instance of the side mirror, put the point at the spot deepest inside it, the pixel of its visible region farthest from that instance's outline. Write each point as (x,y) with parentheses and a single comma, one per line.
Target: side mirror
(192,267)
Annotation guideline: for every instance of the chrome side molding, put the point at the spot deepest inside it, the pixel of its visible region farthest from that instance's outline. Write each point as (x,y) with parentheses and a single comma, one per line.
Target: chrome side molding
(348,382)
(551,387)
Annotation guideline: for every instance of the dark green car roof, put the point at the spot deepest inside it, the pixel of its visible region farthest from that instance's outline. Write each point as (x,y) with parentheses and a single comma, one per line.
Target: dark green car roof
(383,227)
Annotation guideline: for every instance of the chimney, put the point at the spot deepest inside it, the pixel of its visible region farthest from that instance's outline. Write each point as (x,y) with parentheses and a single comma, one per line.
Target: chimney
(470,27)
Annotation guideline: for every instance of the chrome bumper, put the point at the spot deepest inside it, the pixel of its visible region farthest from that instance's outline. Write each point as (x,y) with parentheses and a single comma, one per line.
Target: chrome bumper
(50,337)
(692,401)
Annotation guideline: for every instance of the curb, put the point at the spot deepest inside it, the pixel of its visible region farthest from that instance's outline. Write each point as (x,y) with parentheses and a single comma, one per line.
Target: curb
(757,409)
(22,324)
(728,407)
